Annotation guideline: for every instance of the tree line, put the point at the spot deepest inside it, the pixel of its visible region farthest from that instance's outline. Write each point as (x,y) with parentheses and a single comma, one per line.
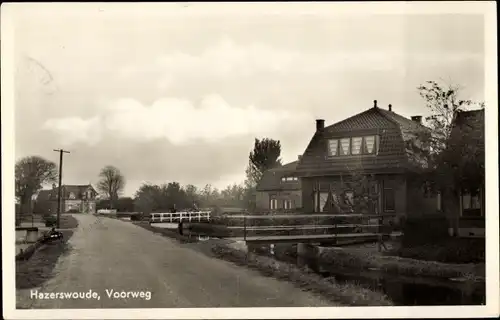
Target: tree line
(33,172)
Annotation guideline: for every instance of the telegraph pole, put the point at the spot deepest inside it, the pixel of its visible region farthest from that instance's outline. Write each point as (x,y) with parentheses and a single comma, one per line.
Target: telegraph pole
(61,151)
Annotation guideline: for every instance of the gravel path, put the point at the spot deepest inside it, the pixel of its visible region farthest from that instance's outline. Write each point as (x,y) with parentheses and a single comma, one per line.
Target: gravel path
(109,254)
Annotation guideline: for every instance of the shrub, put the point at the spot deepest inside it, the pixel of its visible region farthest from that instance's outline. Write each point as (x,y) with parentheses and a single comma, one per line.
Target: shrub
(50,221)
(137,217)
(451,250)
(424,230)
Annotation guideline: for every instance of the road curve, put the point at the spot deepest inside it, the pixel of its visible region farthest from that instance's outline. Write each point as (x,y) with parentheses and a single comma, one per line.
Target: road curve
(108,254)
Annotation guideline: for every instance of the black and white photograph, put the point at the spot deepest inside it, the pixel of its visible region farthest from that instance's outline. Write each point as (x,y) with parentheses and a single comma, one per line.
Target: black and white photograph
(249,160)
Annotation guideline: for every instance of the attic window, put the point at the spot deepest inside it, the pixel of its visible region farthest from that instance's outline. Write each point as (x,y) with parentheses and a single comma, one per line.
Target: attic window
(333,145)
(356,145)
(72,196)
(289,179)
(353,146)
(369,144)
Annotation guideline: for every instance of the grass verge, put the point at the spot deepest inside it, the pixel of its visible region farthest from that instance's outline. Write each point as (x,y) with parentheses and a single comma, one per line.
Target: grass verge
(38,269)
(358,260)
(345,294)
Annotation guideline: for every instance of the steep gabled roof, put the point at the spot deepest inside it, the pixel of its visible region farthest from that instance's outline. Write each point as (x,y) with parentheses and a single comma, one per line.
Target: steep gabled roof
(271,179)
(395,132)
(367,119)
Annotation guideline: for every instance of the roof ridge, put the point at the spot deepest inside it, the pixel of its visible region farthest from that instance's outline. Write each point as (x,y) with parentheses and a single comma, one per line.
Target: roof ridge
(354,115)
(387,114)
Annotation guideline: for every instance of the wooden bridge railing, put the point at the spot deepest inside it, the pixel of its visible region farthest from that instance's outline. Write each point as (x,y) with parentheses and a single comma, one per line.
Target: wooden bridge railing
(328,224)
(172,217)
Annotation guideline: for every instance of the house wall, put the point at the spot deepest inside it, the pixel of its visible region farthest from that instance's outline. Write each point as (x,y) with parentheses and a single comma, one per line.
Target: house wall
(72,205)
(263,199)
(339,185)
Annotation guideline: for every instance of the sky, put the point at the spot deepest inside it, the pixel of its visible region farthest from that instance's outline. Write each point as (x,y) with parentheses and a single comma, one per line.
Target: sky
(167,97)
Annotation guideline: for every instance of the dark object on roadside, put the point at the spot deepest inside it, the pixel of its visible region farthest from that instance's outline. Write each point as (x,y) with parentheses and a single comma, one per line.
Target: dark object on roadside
(53,235)
(136,217)
(180,228)
(50,221)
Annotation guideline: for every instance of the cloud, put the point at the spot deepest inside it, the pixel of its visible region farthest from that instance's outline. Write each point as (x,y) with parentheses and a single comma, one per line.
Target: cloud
(227,59)
(177,120)
(73,130)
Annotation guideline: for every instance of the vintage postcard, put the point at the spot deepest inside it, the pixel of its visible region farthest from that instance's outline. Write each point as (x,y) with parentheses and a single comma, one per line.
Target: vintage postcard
(249,160)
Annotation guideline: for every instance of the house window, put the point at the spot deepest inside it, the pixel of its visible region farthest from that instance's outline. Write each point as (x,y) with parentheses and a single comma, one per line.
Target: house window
(389,199)
(349,198)
(320,199)
(356,145)
(333,146)
(287,204)
(369,144)
(72,196)
(345,146)
(353,146)
(273,204)
(471,204)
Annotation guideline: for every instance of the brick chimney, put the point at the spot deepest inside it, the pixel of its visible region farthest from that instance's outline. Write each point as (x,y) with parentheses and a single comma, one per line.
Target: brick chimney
(390,107)
(417,119)
(299,157)
(320,125)
(54,186)
(375,103)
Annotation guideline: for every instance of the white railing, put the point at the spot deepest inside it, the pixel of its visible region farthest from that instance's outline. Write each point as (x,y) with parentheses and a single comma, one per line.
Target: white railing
(107,211)
(179,216)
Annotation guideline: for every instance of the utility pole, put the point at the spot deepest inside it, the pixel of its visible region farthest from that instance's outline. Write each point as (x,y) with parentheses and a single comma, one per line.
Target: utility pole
(59,191)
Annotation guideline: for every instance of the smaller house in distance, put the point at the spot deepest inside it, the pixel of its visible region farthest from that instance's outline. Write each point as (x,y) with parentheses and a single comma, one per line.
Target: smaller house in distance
(279,189)
(75,199)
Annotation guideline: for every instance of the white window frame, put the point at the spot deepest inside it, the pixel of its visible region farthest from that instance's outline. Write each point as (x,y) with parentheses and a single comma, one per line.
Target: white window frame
(363,150)
(287,204)
(469,195)
(375,145)
(273,203)
(330,154)
(323,197)
(360,150)
(348,152)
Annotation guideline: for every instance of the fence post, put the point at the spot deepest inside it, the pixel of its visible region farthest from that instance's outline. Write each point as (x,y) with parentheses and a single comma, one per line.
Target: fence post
(245,227)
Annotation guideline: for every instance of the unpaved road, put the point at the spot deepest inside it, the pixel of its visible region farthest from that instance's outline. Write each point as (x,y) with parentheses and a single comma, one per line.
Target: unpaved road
(108,254)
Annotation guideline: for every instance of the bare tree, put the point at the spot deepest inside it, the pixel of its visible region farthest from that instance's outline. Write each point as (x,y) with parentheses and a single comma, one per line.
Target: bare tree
(111,183)
(31,174)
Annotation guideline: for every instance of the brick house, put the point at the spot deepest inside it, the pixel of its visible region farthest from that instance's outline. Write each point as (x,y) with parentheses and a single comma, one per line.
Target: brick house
(279,189)
(75,198)
(468,137)
(361,165)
